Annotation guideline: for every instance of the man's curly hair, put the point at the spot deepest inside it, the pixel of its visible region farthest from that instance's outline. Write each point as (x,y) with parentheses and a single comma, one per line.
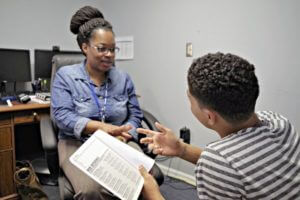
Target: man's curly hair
(225,83)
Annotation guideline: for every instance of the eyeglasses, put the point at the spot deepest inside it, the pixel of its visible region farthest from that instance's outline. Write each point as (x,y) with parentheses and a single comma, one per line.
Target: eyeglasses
(105,50)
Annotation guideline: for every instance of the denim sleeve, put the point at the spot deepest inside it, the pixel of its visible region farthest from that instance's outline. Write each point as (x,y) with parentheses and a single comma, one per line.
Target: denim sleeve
(135,114)
(62,107)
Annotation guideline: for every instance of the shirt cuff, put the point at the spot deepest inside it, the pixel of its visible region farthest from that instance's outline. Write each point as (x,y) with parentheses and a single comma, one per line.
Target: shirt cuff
(133,132)
(79,126)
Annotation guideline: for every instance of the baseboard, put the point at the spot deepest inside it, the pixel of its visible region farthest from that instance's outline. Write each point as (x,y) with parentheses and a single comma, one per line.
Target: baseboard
(178,174)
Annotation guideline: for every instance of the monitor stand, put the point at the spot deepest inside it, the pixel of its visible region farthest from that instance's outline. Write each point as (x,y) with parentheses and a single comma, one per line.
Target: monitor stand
(3,88)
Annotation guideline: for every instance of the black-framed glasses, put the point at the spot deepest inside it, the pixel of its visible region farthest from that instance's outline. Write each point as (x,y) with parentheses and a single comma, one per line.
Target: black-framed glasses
(105,50)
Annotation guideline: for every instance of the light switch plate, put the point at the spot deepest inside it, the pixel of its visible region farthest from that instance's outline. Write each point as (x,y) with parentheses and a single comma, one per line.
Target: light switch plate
(189,49)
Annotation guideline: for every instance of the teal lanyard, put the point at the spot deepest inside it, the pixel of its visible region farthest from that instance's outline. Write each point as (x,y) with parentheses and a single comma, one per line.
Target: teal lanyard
(95,97)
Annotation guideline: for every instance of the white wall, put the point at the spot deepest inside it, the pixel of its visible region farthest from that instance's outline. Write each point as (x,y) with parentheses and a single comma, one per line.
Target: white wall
(38,24)
(265,32)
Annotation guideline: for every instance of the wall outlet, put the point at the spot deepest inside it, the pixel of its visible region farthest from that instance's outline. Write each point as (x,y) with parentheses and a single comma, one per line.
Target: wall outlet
(185,135)
(189,49)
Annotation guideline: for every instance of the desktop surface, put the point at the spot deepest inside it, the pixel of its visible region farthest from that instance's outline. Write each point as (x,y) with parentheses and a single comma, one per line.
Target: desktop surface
(17,106)
(12,96)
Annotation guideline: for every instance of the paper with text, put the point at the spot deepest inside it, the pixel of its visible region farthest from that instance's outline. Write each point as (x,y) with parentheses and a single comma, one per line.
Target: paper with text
(113,164)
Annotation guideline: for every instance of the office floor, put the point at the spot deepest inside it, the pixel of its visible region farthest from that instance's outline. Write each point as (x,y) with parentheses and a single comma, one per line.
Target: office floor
(172,189)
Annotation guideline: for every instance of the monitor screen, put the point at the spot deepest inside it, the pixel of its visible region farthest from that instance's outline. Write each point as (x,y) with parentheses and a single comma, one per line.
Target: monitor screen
(15,65)
(43,62)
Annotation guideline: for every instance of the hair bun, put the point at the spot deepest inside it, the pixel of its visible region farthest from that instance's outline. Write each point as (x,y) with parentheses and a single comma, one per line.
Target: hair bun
(82,16)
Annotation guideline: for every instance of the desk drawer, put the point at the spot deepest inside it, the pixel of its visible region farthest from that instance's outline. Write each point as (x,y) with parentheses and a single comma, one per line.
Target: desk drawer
(5,119)
(6,173)
(29,116)
(5,138)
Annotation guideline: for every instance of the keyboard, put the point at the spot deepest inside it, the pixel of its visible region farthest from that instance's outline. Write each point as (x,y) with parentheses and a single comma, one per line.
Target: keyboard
(45,96)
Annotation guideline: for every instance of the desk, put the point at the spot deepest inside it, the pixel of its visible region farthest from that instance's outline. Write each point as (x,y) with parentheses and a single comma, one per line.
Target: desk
(9,117)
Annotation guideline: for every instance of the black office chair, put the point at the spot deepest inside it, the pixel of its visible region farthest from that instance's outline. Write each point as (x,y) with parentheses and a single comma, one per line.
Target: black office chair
(49,133)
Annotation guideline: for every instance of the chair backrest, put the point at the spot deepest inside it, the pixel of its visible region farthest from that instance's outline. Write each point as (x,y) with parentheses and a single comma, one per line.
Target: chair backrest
(59,61)
(63,60)
(148,121)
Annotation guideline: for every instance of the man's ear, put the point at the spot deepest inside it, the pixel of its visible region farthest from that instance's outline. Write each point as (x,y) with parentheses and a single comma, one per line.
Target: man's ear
(210,116)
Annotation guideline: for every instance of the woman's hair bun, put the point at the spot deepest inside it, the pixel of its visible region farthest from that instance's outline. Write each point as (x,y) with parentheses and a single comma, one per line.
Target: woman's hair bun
(82,16)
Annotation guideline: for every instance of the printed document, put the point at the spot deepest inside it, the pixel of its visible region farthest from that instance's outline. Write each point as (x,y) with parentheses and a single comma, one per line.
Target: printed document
(113,164)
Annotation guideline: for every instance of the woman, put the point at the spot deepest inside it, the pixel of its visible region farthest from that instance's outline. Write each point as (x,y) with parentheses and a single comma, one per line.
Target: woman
(92,95)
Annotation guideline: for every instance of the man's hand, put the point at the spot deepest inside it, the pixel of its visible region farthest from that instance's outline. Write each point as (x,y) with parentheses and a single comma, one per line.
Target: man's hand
(164,142)
(151,189)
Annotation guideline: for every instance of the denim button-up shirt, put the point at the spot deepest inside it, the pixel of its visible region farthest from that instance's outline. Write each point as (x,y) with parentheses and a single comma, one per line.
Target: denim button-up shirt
(73,104)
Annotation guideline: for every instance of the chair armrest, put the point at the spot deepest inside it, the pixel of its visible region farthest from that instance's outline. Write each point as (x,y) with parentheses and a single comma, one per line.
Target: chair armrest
(48,134)
(150,120)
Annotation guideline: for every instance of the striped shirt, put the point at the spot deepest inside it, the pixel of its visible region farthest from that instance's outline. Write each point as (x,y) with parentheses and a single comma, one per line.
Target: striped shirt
(261,162)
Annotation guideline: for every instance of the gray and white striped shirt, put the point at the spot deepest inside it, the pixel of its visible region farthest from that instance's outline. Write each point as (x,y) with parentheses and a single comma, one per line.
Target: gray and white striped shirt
(261,162)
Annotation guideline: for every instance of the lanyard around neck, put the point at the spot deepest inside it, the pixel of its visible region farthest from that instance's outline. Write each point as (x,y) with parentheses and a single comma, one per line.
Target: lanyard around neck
(95,97)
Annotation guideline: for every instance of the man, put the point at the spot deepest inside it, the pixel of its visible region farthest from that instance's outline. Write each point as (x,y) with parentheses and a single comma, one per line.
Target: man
(258,155)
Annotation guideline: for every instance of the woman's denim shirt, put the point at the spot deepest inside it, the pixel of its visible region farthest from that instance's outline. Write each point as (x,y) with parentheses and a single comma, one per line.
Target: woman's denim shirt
(73,105)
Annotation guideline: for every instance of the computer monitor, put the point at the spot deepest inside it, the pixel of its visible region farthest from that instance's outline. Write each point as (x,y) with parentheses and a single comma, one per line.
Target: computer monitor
(43,62)
(15,65)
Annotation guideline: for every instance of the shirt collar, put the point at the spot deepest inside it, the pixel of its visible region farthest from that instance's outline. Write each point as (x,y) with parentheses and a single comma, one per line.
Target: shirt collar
(85,77)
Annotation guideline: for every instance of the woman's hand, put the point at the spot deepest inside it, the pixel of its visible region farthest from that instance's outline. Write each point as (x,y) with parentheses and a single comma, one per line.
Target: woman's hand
(164,142)
(151,189)
(118,131)
(113,130)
